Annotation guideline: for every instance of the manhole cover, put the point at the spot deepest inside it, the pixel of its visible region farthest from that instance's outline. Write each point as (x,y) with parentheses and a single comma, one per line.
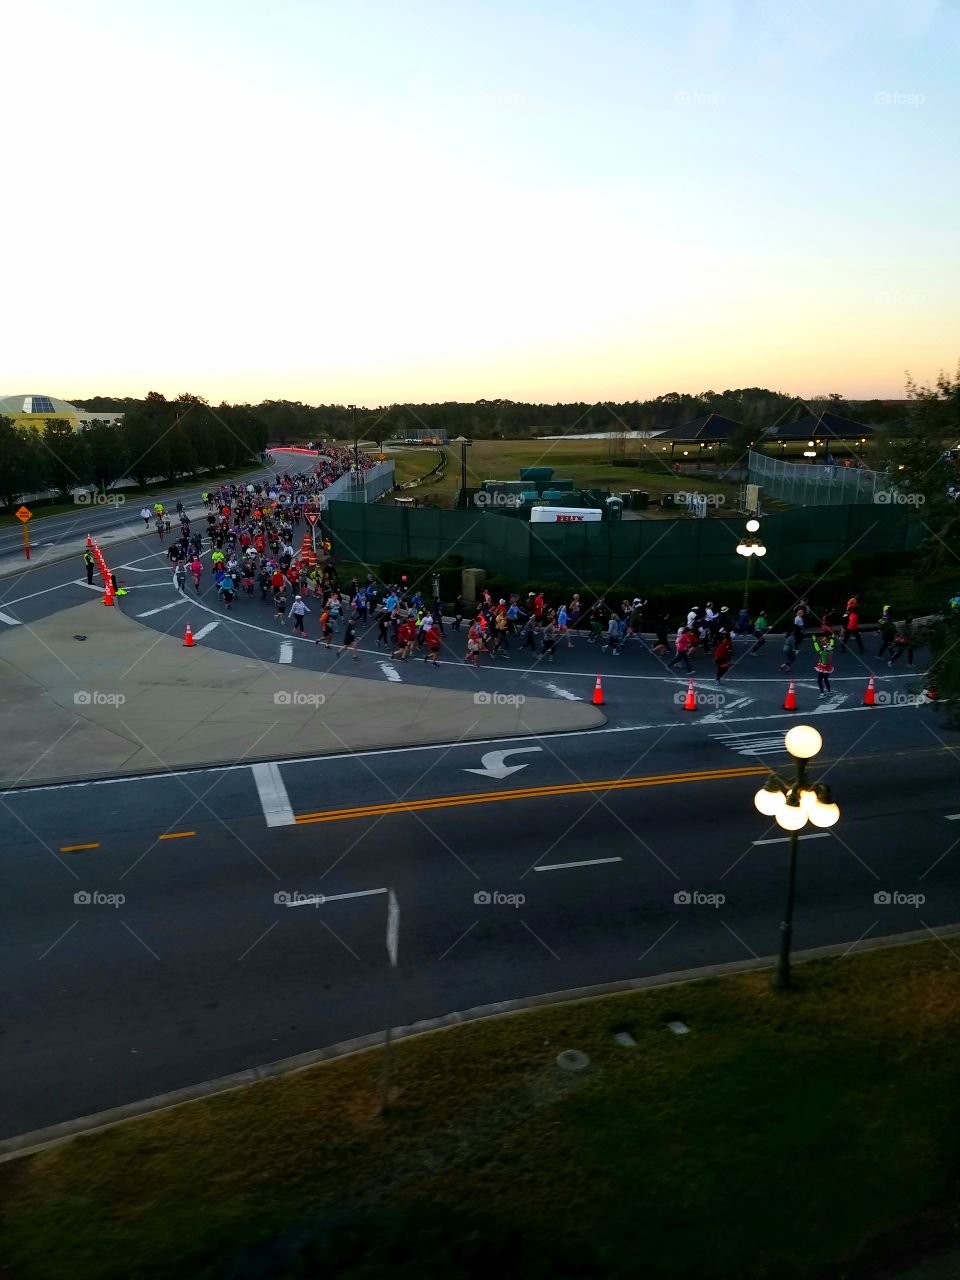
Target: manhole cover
(79,637)
(572,1060)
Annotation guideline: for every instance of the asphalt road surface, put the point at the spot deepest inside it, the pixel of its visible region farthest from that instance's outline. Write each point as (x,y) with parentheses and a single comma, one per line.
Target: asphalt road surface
(149,939)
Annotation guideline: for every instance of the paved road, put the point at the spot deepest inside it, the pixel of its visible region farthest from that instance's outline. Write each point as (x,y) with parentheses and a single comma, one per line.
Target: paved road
(201,971)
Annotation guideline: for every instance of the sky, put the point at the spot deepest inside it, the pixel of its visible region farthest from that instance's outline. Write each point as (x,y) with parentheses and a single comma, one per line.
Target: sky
(377,201)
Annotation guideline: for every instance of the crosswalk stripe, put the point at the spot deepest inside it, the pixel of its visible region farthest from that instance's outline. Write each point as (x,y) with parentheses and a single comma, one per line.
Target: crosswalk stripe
(390,671)
(286,651)
(273,796)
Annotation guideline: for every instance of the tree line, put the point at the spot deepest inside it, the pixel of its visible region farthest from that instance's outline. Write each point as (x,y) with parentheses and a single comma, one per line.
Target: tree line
(158,439)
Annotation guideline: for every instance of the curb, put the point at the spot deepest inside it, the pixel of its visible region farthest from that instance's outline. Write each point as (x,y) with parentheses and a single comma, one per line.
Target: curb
(26,1144)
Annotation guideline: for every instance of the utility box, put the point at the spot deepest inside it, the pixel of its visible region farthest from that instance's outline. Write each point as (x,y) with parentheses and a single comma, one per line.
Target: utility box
(471,584)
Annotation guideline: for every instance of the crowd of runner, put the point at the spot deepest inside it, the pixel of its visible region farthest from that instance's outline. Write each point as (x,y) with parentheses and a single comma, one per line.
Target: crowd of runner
(251,531)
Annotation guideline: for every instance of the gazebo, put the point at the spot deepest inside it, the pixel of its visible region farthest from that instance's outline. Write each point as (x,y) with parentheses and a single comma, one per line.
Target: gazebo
(808,424)
(703,433)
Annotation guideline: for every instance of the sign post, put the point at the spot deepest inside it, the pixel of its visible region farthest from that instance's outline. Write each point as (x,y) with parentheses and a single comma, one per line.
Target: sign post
(393,950)
(312,518)
(24,515)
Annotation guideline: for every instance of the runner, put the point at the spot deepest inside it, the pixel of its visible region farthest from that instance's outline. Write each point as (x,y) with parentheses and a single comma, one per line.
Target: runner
(181,577)
(349,639)
(297,611)
(613,635)
(722,654)
(684,646)
(903,642)
(823,647)
(851,625)
(759,632)
(146,515)
(196,568)
(280,609)
(433,646)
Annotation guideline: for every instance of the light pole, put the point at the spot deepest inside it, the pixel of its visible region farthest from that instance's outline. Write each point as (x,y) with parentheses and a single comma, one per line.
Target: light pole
(793,805)
(356,446)
(748,547)
(464,444)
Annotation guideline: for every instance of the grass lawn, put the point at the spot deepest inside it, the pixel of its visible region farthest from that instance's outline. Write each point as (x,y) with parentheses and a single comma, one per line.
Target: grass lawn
(788,1136)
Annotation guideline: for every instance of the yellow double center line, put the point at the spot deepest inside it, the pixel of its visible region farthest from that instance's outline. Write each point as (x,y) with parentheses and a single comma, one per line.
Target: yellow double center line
(530,793)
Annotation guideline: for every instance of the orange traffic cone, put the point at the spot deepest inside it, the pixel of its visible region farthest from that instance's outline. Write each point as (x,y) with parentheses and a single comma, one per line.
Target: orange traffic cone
(869,697)
(188,640)
(108,594)
(691,701)
(790,701)
(598,693)
(89,542)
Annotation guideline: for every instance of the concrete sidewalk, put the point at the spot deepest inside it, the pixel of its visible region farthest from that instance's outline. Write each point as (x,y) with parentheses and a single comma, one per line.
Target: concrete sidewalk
(129,700)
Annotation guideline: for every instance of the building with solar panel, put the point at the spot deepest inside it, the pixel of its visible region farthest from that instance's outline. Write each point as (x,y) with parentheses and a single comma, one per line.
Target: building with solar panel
(33,411)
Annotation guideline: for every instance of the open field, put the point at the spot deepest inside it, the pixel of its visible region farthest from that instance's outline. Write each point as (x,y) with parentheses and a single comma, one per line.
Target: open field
(663,1159)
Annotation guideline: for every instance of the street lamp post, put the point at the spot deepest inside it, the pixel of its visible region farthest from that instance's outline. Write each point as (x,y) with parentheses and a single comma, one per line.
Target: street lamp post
(793,805)
(748,547)
(464,444)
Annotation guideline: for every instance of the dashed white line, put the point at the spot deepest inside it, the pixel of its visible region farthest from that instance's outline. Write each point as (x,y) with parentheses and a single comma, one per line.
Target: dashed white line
(321,899)
(205,631)
(562,866)
(286,651)
(390,671)
(273,796)
(172,605)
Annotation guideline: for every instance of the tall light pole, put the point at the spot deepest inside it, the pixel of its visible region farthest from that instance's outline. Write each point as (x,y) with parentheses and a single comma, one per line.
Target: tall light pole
(464,444)
(748,547)
(793,805)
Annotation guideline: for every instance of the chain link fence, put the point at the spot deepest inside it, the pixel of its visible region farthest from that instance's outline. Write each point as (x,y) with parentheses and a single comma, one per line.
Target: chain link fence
(804,484)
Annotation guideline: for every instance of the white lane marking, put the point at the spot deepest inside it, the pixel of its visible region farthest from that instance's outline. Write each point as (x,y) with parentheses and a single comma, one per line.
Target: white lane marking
(718,717)
(11,622)
(390,671)
(816,835)
(952,817)
(561,693)
(172,605)
(829,704)
(751,744)
(286,651)
(429,746)
(273,796)
(562,866)
(205,631)
(320,899)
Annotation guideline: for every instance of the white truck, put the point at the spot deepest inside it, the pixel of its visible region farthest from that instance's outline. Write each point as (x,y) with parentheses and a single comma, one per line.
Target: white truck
(564,515)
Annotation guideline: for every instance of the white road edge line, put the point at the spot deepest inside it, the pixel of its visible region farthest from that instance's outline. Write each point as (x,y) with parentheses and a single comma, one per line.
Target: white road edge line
(562,866)
(274,800)
(952,817)
(321,899)
(815,835)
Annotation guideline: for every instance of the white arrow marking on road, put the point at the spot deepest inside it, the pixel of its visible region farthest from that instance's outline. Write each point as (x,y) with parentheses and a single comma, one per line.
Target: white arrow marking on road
(205,631)
(286,651)
(11,622)
(493,766)
(831,704)
(562,693)
(390,671)
(717,717)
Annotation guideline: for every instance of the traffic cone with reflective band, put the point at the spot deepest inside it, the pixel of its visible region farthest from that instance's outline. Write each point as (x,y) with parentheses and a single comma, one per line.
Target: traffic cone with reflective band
(89,542)
(790,701)
(598,693)
(188,640)
(108,594)
(691,701)
(870,697)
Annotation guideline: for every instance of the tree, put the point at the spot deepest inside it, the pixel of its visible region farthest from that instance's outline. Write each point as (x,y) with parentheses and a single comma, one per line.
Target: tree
(144,428)
(22,462)
(108,455)
(69,464)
